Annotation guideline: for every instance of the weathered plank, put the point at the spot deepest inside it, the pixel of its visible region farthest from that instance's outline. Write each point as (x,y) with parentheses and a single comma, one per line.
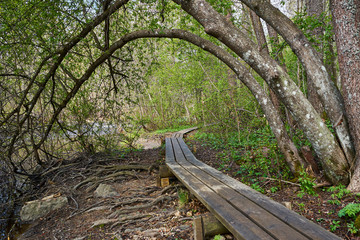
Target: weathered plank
(211,200)
(288,217)
(237,223)
(180,134)
(252,211)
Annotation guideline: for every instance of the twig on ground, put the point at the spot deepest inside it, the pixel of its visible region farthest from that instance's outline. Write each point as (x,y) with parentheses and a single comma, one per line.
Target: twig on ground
(121,220)
(274,179)
(84,210)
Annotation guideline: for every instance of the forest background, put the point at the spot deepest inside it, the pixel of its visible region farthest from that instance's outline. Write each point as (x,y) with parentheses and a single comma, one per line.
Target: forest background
(95,75)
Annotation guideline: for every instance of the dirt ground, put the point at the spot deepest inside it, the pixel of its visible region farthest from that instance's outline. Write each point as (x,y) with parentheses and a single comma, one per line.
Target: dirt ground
(142,210)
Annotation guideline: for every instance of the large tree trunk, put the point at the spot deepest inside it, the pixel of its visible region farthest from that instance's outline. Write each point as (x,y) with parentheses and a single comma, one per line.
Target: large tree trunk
(346,20)
(331,155)
(328,93)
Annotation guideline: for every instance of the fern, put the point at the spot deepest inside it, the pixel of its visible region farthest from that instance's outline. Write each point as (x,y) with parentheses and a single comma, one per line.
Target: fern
(350,210)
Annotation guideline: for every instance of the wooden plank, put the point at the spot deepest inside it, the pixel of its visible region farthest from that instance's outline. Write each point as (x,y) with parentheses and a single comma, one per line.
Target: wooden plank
(198,228)
(180,134)
(213,201)
(303,225)
(255,213)
(169,152)
(237,223)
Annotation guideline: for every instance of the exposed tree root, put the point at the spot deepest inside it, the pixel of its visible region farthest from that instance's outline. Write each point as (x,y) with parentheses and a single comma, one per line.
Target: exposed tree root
(123,167)
(127,219)
(138,207)
(170,187)
(84,210)
(97,180)
(119,220)
(131,201)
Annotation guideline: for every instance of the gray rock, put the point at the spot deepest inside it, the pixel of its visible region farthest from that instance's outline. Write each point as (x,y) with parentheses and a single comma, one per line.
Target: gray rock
(38,208)
(105,190)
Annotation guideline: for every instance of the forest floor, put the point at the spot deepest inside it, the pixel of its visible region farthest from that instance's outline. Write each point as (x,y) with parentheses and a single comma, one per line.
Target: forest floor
(142,210)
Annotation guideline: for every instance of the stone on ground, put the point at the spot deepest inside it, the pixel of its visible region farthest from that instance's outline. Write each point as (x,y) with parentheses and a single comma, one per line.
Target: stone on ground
(38,208)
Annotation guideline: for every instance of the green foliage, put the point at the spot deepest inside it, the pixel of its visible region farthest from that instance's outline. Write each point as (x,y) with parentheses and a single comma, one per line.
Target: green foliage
(306,183)
(351,213)
(183,197)
(323,23)
(218,237)
(256,187)
(254,150)
(334,201)
(301,206)
(339,191)
(351,210)
(352,227)
(274,189)
(334,225)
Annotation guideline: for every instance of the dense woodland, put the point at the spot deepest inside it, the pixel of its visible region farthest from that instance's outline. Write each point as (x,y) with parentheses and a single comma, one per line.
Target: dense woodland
(95,75)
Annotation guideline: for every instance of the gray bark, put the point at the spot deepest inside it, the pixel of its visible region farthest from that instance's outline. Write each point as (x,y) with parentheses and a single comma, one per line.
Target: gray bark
(331,156)
(330,96)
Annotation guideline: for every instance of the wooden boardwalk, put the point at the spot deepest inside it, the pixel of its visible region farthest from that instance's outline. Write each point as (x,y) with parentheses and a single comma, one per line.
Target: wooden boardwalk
(246,213)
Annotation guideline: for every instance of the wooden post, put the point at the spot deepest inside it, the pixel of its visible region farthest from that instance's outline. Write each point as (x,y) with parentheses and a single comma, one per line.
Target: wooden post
(164,172)
(164,176)
(207,225)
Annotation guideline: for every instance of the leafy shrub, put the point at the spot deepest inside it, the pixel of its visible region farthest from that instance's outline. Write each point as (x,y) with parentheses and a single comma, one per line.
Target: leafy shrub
(350,210)
(307,183)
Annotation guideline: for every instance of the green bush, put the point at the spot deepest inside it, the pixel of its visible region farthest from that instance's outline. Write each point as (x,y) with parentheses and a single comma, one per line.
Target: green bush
(351,210)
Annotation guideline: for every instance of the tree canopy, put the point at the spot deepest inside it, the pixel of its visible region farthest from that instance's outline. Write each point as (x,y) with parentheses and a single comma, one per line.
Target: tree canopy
(72,70)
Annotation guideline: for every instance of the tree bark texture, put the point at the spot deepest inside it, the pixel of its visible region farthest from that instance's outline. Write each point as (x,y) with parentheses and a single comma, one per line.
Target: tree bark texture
(331,155)
(329,95)
(346,20)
